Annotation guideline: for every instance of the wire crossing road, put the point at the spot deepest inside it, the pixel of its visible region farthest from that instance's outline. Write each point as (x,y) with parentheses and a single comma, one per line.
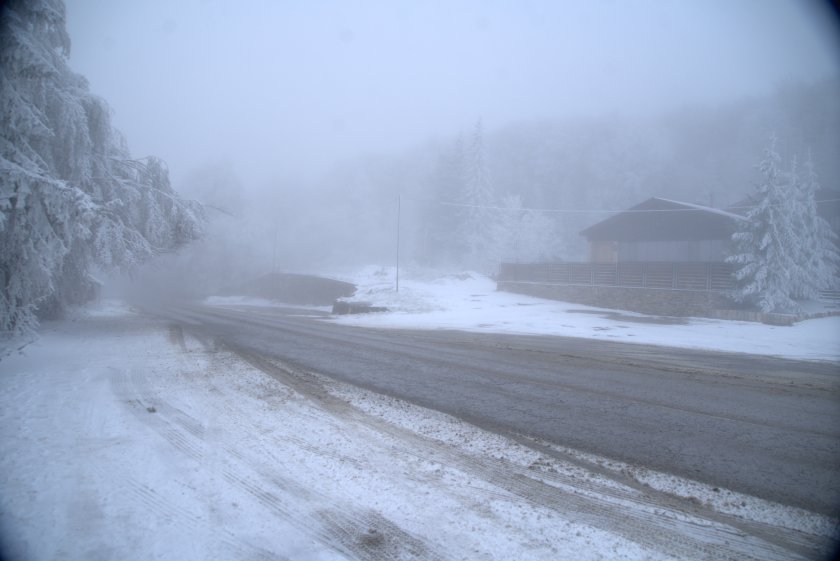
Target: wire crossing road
(762,426)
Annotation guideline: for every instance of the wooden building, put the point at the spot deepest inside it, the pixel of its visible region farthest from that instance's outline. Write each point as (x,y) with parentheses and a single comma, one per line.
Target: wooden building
(662,230)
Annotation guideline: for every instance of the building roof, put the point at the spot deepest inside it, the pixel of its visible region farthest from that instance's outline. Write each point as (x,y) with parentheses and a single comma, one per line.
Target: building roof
(659,219)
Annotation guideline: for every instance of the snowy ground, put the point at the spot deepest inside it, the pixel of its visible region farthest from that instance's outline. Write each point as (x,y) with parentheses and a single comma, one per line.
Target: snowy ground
(469,301)
(126,438)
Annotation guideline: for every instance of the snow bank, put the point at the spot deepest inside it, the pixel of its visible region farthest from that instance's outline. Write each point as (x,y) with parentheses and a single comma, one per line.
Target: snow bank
(469,301)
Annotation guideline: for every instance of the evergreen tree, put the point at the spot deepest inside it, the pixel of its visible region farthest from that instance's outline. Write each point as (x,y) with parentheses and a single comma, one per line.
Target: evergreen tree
(785,250)
(480,218)
(817,257)
(71,198)
(440,217)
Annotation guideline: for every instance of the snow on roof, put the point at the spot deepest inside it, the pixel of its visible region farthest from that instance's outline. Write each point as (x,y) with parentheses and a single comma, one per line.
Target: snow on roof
(703,208)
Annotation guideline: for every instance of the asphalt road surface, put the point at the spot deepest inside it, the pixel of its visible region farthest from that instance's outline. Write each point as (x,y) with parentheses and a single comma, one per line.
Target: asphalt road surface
(763,426)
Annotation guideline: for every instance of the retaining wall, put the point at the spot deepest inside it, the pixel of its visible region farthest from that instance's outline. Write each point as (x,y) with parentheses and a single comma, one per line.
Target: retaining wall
(661,302)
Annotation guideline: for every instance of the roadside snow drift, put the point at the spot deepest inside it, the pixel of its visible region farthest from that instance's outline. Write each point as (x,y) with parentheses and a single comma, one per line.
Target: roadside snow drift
(469,301)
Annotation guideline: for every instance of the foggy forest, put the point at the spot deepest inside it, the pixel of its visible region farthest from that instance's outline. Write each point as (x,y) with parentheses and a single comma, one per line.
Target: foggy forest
(477,192)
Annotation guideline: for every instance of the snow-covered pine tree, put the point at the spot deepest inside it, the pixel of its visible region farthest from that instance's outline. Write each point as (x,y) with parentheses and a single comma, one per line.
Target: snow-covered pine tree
(784,250)
(71,198)
(440,218)
(764,246)
(480,218)
(817,258)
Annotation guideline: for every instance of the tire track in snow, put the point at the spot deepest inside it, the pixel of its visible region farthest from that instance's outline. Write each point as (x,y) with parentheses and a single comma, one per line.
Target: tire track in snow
(364,535)
(186,435)
(358,534)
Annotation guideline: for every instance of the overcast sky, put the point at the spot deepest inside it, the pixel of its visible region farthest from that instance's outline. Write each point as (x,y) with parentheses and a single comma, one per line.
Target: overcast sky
(283,87)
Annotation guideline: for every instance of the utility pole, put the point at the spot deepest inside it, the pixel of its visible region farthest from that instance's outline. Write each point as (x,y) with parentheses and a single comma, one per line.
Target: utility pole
(274,256)
(399,208)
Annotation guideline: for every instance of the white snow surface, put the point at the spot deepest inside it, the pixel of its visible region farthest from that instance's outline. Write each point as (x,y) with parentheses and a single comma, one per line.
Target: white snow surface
(127,438)
(469,301)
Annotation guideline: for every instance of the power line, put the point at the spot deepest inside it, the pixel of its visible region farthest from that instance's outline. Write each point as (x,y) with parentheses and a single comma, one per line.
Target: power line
(565,210)
(695,208)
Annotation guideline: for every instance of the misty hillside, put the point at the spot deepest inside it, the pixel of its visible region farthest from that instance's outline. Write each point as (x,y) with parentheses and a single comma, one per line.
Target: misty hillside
(702,154)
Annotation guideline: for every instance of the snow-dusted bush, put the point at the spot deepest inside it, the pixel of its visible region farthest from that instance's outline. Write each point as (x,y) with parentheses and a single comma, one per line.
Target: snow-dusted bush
(523,235)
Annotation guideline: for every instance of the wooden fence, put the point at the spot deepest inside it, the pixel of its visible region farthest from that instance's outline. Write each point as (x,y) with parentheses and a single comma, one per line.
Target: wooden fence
(659,275)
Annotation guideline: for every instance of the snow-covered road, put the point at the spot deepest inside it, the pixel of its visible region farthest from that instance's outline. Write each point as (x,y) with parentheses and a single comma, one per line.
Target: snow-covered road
(126,438)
